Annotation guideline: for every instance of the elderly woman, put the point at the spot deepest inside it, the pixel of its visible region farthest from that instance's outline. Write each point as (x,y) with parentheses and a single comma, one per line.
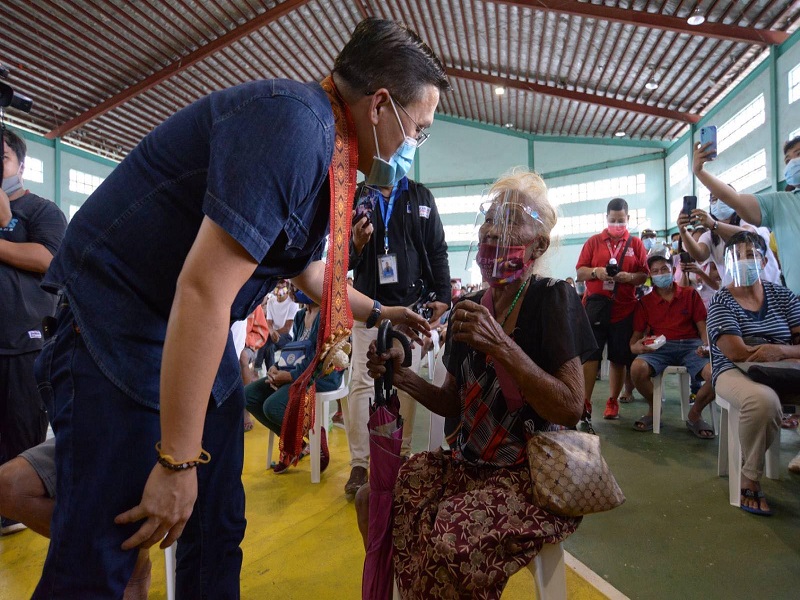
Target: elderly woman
(751,320)
(463,520)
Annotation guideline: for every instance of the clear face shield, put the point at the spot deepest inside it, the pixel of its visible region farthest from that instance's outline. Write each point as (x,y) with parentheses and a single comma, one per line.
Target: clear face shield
(504,228)
(743,265)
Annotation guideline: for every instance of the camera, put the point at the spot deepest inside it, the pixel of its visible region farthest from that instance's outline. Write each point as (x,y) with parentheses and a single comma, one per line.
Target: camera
(685,257)
(8,97)
(424,297)
(612,268)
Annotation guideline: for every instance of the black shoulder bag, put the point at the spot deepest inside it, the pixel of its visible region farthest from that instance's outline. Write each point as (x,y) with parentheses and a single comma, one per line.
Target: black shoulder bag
(598,306)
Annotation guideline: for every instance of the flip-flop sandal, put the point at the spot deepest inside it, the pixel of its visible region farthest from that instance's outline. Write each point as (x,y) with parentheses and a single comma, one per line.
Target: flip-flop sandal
(644,423)
(698,427)
(625,399)
(754,495)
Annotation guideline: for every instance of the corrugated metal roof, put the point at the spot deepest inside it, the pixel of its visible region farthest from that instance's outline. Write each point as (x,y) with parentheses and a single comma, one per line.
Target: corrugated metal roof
(102,74)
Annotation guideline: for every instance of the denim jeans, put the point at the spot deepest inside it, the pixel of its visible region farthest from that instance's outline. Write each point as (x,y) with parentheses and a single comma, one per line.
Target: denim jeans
(104,455)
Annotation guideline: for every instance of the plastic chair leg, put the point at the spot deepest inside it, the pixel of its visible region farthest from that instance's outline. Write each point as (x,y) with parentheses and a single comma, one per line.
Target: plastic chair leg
(549,573)
(686,392)
(658,395)
(170,564)
(270,447)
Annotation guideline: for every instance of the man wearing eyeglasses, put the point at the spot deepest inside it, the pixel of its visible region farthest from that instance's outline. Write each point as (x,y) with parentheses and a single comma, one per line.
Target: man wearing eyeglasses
(399,256)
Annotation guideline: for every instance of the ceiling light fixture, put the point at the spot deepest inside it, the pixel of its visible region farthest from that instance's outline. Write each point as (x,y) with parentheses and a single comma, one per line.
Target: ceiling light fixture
(651,84)
(697,17)
(499,90)
(509,125)
(619,134)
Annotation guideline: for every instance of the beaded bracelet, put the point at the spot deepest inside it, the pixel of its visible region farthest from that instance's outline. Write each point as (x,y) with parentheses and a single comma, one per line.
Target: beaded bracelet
(168,462)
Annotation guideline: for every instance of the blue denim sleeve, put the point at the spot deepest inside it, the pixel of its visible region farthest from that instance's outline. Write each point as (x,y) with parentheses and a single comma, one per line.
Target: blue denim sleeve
(268,155)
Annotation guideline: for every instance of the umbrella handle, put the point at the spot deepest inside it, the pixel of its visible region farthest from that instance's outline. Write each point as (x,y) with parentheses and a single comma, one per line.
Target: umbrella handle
(385,336)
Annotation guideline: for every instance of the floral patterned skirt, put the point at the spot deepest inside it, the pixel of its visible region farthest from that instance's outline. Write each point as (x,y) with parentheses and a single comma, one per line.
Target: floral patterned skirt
(461,530)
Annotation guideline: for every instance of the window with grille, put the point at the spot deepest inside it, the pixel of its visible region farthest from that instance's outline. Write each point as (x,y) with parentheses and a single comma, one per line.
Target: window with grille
(749,172)
(34,170)
(794,84)
(598,190)
(83,183)
(743,122)
(678,170)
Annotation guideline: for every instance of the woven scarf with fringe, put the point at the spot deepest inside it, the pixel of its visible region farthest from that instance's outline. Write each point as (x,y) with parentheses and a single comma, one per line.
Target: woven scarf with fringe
(336,318)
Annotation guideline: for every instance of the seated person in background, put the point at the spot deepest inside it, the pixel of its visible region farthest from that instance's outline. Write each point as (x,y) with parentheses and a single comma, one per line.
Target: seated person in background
(463,520)
(266,398)
(751,320)
(280,313)
(703,278)
(27,495)
(679,315)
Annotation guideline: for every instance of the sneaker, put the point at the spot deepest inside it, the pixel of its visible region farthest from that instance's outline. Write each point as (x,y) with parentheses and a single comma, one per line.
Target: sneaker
(612,409)
(9,526)
(324,453)
(358,477)
(280,468)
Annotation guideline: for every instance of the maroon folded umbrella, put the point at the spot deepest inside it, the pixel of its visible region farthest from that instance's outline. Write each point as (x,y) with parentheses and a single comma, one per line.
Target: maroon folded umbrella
(385,439)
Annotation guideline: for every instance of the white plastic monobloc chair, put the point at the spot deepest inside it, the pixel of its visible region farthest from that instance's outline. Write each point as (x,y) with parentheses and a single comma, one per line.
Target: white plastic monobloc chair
(685,384)
(170,564)
(321,418)
(729,459)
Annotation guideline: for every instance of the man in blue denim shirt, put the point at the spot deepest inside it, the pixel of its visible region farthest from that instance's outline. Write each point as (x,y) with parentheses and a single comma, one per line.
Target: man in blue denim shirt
(185,236)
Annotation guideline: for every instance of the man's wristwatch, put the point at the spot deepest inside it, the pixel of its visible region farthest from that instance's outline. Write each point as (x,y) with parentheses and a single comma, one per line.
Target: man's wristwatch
(374,315)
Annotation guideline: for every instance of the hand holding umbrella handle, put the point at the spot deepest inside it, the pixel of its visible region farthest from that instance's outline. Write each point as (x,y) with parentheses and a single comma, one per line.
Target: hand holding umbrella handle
(383,386)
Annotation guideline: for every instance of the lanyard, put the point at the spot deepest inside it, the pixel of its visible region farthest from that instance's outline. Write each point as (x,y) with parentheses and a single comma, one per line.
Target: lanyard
(614,252)
(386,214)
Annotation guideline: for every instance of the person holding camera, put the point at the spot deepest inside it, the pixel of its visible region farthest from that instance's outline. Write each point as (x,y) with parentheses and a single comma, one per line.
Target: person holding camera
(612,263)
(399,257)
(31,230)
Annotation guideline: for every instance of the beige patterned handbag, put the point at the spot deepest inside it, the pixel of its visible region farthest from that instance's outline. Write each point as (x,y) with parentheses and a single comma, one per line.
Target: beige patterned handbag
(569,475)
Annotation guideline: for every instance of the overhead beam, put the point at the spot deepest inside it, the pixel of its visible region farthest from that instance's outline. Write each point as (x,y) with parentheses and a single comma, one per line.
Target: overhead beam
(176,67)
(547,90)
(639,18)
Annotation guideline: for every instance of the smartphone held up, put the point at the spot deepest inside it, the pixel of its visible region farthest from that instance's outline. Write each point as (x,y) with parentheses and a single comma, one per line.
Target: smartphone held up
(709,134)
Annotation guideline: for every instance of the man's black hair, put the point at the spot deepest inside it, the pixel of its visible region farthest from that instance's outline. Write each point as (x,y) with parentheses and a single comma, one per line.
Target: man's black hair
(387,54)
(617,204)
(16,143)
(748,237)
(791,143)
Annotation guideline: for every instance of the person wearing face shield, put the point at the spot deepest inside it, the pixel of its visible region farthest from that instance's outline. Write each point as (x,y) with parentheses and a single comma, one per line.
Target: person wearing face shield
(752,320)
(612,263)
(198,222)
(720,222)
(513,360)
(777,211)
(31,230)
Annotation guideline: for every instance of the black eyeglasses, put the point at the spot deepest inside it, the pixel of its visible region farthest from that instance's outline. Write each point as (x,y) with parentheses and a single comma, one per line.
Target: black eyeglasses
(422,132)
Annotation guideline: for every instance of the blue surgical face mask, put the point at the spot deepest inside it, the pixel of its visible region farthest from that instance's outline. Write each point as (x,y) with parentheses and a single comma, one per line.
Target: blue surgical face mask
(648,243)
(301,298)
(747,272)
(387,173)
(792,172)
(675,244)
(662,281)
(12,184)
(722,211)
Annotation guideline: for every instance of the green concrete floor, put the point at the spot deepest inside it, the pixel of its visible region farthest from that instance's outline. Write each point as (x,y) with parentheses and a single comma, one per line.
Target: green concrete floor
(677,536)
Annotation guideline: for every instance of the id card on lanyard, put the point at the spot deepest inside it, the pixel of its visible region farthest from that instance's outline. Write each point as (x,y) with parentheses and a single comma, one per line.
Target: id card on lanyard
(387,263)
